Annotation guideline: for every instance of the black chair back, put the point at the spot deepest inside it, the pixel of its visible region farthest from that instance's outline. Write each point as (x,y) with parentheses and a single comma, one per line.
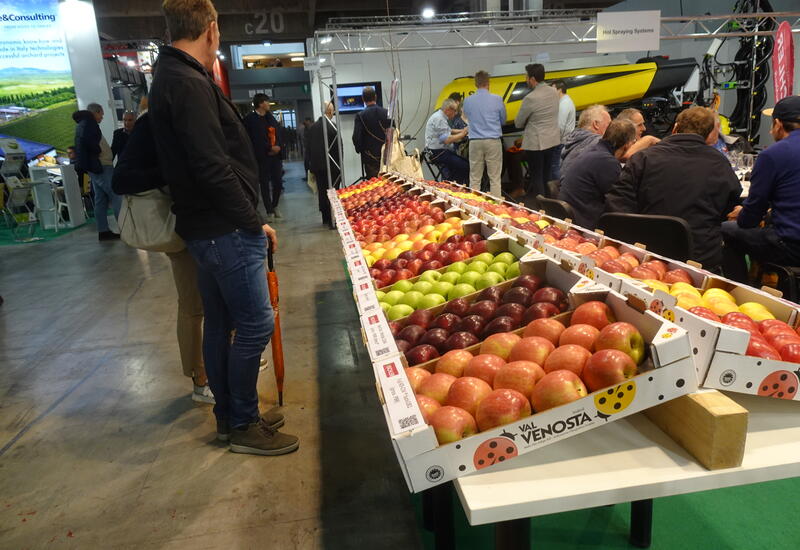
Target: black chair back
(555,208)
(668,236)
(433,168)
(553,187)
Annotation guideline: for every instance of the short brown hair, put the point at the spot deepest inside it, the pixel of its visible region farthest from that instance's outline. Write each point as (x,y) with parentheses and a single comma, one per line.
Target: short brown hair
(695,120)
(481,78)
(535,70)
(188,19)
(620,133)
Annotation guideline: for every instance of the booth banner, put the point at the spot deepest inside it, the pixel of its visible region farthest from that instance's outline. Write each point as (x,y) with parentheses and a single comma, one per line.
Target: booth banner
(628,31)
(783,62)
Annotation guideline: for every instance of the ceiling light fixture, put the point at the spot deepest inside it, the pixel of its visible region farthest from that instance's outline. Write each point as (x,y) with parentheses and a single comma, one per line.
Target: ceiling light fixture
(428,13)
(267,43)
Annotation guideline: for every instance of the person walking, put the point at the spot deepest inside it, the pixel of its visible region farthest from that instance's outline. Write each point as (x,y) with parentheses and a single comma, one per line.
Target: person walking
(369,132)
(265,135)
(538,115)
(486,114)
(95,157)
(206,156)
(319,162)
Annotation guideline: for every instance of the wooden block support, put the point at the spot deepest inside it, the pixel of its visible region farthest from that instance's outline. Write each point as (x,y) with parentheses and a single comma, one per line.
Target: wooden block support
(708,424)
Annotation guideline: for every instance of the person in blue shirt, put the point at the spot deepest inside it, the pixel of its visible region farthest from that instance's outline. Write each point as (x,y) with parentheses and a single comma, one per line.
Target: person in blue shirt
(775,185)
(439,140)
(486,114)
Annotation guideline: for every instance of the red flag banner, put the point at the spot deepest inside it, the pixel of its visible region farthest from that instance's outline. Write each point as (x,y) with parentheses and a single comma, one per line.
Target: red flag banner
(783,62)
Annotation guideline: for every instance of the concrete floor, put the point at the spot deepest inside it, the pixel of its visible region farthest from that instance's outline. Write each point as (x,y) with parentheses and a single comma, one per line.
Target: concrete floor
(102,447)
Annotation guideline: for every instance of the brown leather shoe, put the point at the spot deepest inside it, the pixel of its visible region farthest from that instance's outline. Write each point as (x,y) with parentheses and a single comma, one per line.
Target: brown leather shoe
(259,438)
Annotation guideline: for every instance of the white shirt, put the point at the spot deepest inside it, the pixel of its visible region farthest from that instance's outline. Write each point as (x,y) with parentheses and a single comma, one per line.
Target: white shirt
(566,116)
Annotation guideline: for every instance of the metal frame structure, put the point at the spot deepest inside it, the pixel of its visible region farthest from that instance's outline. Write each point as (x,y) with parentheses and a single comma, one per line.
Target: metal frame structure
(404,33)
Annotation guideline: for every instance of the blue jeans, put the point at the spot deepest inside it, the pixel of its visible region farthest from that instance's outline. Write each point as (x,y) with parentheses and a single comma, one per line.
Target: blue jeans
(454,167)
(555,164)
(103,195)
(233,285)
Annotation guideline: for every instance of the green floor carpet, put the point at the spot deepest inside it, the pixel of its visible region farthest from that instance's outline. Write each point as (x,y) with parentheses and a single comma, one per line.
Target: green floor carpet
(750,517)
(43,235)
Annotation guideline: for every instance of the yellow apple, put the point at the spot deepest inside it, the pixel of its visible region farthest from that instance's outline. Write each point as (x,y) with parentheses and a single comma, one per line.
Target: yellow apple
(718,292)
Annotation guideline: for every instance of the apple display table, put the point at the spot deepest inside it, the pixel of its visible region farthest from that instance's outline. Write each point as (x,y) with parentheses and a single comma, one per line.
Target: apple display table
(627,461)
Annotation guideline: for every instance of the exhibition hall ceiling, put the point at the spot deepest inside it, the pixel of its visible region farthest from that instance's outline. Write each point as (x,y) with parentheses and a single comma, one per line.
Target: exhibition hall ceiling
(244,21)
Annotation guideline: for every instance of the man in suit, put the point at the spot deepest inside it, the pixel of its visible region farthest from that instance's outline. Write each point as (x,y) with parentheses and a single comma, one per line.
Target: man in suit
(369,132)
(319,163)
(538,115)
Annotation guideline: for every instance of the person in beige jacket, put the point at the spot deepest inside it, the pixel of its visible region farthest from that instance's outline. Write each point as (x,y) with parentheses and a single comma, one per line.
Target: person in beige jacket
(538,115)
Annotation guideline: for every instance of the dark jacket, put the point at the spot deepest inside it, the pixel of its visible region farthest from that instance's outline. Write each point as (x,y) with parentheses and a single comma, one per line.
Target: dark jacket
(776,184)
(586,185)
(681,176)
(87,142)
(316,146)
(137,169)
(119,142)
(575,143)
(369,131)
(204,150)
(258,128)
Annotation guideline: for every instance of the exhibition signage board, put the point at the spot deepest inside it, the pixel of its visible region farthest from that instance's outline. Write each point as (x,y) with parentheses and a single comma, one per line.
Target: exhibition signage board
(783,62)
(628,31)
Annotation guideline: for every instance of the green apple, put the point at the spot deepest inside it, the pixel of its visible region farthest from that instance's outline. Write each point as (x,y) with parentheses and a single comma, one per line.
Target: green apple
(441,287)
(457,267)
(490,278)
(498,267)
(380,294)
(403,285)
(460,290)
(504,257)
(393,297)
(385,307)
(451,277)
(399,311)
(423,286)
(431,276)
(478,266)
(512,271)
(412,298)
(469,278)
(486,258)
(431,300)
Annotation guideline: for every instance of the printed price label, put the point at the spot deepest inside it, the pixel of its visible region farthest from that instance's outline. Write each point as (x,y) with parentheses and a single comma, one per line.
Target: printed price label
(402,406)
(380,342)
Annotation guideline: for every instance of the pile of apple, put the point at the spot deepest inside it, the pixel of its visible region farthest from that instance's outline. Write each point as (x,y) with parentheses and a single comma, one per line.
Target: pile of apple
(453,190)
(401,214)
(423,336)
(769,339)
(511,376)
(716,303)
(367,192)
(434,287)
(626,264)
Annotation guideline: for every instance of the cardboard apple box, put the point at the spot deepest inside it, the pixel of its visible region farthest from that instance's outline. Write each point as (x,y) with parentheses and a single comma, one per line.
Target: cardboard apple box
(666,374)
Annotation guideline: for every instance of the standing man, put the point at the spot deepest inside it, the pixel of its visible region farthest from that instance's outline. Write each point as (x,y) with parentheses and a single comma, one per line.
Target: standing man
(95,157)
(439,139)
(318,160)
(538,115)
(775,184)
(486,114)
(264,132)
(369,132)
(566,124)
(121,135)
(206,156)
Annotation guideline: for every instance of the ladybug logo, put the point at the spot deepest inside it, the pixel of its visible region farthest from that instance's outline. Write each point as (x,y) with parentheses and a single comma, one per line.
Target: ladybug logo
(614,400)
(781,384)
(494,451)
(590,273)
(669,315)
(657,306)
(582,267)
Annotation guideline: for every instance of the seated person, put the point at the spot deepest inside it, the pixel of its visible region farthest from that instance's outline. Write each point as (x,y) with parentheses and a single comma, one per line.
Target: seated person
(439,138)
(592,125)
(513,157)
(775,184)
(682,176)
(586,184)
(636,117)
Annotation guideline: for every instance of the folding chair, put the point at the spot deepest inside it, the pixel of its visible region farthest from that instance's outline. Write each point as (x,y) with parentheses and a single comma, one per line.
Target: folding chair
(555,208)
(668,236)
(19,216)
(433,168)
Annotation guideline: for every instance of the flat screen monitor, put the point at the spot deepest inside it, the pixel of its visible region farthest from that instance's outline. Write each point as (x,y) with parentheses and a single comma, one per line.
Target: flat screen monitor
(349,96)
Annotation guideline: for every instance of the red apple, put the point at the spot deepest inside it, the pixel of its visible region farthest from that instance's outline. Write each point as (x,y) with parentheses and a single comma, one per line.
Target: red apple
(493,293)
(569,357)
(460,340)
(549,329)
(431,265)
(421,354)
(759,347)
(519,295)
(608,367)
(427,406)
(502,407)
(483,308)
(484,366)
(412,334)
(500,344)
(421,317)
(624,337)
(789,352)
(447,321)
(453,362)
(541,310)
(740,318)
(552,295)
(382,264)
(518,375)
(593,313)
(403,346)
(415,266)
(705,313)
(557,388)
(630,258)
(677,275)
(780,339)
(511,309)
(658,266)
(467,393)
(532,348)
(474,324)
(395,327)
(459,307)
(451,424)
(499,325)
(642,272)
(771,324)
(616,266)
(436,386)
(531,282)
(415,376)
(457,256)
(581,334)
